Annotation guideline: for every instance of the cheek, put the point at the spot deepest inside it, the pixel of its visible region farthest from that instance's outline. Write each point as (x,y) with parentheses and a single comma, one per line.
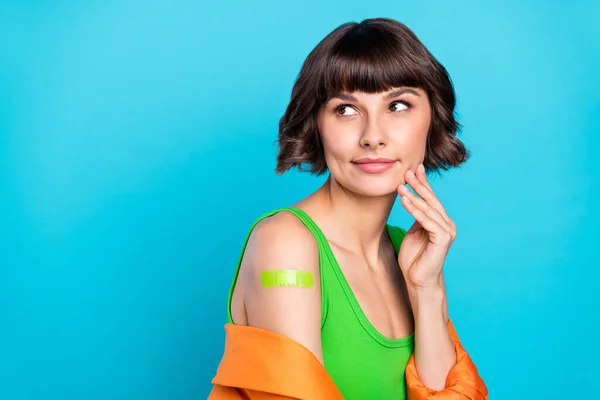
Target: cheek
(337,141)
(420,124)
(413,140)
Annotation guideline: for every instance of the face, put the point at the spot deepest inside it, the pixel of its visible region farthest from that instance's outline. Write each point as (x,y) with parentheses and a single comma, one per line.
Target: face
(357,128)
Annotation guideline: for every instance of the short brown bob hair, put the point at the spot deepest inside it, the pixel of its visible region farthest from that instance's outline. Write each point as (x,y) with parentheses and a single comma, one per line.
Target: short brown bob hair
(372,56)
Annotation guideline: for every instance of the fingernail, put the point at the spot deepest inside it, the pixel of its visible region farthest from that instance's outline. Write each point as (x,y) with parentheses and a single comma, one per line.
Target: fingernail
(410,173)
(422,167)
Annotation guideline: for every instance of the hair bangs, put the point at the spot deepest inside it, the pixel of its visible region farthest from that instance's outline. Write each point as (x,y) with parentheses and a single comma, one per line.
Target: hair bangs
(369,62)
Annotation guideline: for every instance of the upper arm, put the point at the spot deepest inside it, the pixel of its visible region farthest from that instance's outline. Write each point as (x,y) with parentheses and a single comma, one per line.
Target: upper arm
(282,242)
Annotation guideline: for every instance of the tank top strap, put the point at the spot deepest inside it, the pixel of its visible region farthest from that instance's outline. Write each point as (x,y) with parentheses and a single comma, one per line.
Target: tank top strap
(396,235)
(321,243)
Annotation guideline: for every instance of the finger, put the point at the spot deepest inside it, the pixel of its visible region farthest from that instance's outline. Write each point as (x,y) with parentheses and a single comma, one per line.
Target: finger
(420,173)
(426,208)
(429,224)
(433,200)
(422,187)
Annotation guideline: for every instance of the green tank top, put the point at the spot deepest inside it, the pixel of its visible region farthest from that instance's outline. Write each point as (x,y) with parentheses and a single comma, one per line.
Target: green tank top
(363,363)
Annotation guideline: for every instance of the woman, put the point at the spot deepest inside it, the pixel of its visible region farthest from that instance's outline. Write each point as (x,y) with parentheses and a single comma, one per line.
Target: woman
(374,108)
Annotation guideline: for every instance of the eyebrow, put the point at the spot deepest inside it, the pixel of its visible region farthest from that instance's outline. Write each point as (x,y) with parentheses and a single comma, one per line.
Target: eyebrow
(389,96)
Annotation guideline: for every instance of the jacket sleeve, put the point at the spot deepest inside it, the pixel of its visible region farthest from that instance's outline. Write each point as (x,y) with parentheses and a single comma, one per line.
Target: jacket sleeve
(219,392)
(463,381)
(261,365)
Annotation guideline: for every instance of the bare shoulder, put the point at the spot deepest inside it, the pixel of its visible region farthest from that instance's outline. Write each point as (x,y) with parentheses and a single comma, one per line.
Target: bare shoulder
(282,243)
(283,235)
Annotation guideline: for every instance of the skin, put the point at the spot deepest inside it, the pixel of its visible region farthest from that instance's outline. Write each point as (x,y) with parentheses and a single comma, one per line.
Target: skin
(398,294)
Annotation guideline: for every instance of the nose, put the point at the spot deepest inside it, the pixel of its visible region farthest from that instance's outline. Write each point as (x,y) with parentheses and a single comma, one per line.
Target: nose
(373,137)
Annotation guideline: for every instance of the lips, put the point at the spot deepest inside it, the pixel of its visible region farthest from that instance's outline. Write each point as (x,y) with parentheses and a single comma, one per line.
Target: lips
(374,161)
(374,165)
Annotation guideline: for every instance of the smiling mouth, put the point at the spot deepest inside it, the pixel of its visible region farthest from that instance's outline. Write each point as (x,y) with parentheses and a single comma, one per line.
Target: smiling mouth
(379,160)
(374,166)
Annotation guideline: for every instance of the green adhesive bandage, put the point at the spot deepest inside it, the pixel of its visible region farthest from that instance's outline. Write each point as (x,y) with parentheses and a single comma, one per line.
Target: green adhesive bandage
(273,278)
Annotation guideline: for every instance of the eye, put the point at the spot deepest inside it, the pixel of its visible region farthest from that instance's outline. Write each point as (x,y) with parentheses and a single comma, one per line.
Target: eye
(345,109)
(399,106)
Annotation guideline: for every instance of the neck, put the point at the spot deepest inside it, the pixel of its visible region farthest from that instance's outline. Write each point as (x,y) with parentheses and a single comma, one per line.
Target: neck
(359,220)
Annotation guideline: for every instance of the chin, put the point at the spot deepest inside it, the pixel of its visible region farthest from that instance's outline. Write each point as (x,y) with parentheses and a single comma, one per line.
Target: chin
(376,186)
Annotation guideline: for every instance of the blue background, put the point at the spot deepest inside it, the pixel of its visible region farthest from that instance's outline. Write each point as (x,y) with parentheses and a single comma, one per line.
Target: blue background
(137,147)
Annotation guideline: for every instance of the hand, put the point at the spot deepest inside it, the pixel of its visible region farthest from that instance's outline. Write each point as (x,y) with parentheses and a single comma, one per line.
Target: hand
(426,244)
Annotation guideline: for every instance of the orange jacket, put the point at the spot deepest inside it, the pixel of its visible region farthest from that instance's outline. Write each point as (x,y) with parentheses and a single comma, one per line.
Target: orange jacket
(261,365)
